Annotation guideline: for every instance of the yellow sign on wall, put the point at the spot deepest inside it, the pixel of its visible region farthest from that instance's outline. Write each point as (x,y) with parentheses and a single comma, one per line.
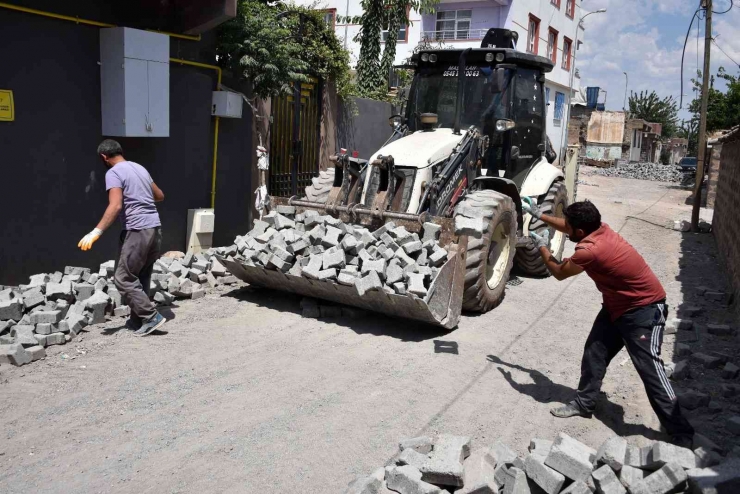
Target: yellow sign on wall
(7,111)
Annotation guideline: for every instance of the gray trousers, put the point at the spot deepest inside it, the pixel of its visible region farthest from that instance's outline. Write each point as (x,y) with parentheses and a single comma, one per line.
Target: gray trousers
(139,249)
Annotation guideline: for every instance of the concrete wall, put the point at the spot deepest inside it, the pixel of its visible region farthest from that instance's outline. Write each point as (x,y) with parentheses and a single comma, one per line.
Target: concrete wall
(54,190)
(603,152)
(725,224)
(713,168)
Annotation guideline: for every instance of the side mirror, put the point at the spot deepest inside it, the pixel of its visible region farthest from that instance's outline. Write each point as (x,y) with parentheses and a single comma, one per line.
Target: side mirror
(395,121)
(498,79)
(514,152)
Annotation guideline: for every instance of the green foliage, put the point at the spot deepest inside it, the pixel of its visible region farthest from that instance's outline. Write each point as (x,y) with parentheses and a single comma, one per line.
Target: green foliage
(372,71)
(651,108)
(690,130)
(723,109)
(263,44)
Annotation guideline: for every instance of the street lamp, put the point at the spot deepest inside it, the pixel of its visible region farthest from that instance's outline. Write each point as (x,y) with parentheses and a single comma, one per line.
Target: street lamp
(572,74)
(626,85)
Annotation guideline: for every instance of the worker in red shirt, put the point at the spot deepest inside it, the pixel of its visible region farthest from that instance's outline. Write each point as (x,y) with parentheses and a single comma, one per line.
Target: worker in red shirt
(633,313)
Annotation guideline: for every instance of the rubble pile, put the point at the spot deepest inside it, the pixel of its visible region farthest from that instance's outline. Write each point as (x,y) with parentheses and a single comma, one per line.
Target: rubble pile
(53,308)
(321,247)
(640,171)
(562,466)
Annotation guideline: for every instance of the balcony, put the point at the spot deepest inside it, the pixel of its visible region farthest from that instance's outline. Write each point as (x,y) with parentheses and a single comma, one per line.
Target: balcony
(451,35)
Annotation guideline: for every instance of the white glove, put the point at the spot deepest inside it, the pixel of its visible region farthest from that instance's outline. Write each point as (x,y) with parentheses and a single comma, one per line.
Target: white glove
(540,240)
(88,240)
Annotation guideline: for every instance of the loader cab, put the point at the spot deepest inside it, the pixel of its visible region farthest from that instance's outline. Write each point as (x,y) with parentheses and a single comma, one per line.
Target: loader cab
(499,91)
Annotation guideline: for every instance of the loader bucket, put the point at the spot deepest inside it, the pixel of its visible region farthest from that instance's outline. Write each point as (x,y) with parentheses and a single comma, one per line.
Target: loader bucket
(441,306)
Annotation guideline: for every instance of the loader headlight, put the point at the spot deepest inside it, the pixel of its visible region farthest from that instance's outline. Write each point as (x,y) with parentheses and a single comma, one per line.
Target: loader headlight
(500,57)
(425,57)
(504,125)
(432,58)
(489,57)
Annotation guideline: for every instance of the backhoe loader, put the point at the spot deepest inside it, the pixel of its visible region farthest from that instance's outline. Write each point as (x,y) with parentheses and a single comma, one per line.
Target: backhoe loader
(470,144)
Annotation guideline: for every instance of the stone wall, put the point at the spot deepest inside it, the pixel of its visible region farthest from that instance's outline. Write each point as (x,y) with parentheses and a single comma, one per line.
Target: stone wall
(715,157)
(725,225)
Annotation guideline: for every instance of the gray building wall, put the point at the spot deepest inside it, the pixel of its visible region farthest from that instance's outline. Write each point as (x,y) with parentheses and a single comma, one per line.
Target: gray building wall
(54,188)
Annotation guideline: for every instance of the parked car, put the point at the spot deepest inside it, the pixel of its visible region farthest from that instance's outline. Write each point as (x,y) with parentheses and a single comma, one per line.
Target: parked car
(687,164)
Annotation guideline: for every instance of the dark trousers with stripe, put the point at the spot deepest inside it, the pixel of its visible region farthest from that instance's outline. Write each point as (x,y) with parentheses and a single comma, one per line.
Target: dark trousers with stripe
(641,331)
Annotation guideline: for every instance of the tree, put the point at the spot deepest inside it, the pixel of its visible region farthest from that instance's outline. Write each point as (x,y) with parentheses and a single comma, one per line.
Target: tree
(372,71)
(689,130)
(651,108)
(262,45)
(723,109)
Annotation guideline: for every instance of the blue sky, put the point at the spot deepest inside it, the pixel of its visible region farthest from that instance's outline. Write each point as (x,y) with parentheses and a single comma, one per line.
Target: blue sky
(645,39)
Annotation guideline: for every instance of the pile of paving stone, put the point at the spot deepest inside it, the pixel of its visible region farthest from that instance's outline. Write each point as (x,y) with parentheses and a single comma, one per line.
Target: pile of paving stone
(562,466)
(641,171)
(53,308)
(321,247)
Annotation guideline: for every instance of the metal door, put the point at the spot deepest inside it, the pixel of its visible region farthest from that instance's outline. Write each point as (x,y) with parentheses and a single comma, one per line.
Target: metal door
(295,155)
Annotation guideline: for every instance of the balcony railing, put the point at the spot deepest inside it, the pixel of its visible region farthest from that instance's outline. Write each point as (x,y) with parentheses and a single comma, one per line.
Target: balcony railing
(452,35)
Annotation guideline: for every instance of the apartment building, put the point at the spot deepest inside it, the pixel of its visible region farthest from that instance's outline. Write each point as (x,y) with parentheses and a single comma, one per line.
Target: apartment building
(545,27)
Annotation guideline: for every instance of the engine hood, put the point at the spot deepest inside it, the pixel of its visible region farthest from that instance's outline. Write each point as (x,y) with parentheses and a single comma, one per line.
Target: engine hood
(421,149)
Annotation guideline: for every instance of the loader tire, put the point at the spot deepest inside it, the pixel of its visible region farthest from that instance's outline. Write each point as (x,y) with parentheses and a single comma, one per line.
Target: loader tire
(490,258)
(320,186)
(528,258)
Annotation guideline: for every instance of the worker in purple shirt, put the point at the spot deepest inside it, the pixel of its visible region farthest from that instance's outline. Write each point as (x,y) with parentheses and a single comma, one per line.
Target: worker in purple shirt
(131,195)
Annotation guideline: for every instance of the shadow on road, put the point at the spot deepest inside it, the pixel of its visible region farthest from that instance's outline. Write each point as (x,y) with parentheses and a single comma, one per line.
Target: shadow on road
(544,390)
(377,325)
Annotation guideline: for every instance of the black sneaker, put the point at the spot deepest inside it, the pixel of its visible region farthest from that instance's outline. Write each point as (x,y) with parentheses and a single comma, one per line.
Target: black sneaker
(152,325)
(570,410)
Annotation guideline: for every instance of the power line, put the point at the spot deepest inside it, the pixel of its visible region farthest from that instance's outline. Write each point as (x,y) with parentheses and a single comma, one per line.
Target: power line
(732,4)
(683,54)
(723,51)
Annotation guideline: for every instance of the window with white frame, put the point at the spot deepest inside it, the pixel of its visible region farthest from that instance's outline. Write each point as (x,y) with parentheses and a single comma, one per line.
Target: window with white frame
(552,45)
(402,33)
(533,34)
(567,47)
(559,107)
(453,24)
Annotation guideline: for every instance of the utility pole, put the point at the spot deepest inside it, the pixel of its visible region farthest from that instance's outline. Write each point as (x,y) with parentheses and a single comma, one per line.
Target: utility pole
(626,86)
(702,154)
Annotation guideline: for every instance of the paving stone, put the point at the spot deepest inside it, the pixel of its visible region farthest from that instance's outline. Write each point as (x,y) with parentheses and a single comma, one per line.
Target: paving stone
(7,294)
(682,349)
(431,232)
(11,309)
(479,473)
(364,485)
(349,244)
(38,280)
(408,480)
(708,361)
(312,269)
(193,275)
(334,258)
(164,298)
(706,457)
(23,334)
(331,239)
(122,311)
(421,444)
(316,234)
(412,248)
(516,482)
(721,479)
(185,289)
(84,291)
(369,282)
(346,279)
(198,292)
(374,265)
(296,270)
(411,457)
(670,477)
(400,235)
(730,371)
(612,452)
(5,326)
(445,464)
(399,287)
(416,284)
(14,354)
(403,258)
(607,482)
(681,370)
(100,285)
(178,269)
(281,222)
(327,274)
(438,257)
(730,390)
(540,446)
(503,453)
(672,325)
(720,329)
(33,298)
(37,352)
(663,453)
(629,476)
(276,262)
(577,487)
(733,425)
(117,299)
(43,328)
(76,321)
(571,457)
(55,339)
(548,479)
(50,316)
(384,229)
